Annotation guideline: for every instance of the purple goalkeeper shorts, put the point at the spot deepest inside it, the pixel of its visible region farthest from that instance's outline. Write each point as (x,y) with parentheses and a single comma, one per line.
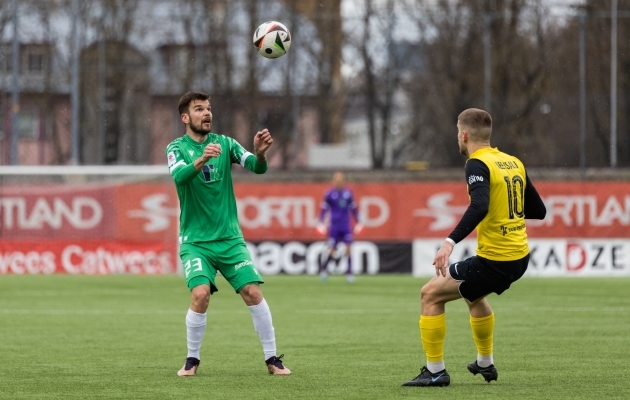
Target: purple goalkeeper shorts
(337,235)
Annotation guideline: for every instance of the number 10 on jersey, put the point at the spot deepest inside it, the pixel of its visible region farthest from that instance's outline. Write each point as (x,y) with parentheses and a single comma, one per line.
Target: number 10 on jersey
(515,196)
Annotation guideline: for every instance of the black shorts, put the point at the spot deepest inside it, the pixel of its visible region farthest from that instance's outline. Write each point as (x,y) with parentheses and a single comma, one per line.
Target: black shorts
(480,276)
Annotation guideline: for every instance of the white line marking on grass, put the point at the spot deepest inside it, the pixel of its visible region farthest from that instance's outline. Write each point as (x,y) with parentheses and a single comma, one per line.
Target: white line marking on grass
(92,312)
(313,311)
(359,311)
(568,309)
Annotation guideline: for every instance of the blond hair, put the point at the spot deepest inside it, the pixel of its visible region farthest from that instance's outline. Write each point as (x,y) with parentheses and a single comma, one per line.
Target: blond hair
(478,124)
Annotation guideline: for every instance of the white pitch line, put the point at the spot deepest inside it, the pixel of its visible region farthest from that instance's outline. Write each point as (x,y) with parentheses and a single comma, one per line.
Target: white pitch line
(299,311)
(90,312)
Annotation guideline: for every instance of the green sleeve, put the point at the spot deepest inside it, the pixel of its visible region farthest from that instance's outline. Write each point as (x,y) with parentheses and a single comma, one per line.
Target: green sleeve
(238,155)
(180,170)
(252,164)
(183,175)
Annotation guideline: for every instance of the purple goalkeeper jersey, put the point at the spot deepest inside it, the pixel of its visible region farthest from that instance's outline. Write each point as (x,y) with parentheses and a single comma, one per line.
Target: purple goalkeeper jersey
(340,203)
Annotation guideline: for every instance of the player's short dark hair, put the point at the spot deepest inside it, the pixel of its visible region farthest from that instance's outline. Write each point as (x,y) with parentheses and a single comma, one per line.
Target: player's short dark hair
(477,122)
(188,97)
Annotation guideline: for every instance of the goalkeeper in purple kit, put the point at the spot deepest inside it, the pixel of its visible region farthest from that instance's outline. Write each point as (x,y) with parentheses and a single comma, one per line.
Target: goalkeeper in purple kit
(339,203)
(211,240)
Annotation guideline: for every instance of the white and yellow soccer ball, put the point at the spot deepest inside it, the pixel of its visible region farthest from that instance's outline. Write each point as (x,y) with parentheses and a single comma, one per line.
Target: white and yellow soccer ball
(272,39)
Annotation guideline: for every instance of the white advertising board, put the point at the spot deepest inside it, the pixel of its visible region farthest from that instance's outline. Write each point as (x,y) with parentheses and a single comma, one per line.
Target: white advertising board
(548,257)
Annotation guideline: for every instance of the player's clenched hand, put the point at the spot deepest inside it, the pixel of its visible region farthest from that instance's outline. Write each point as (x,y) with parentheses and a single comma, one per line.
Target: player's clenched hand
(212,150)
(441,258)
(262,142)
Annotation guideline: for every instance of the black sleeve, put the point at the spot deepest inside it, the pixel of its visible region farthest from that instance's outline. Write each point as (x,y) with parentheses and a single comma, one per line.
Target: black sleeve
(534,206)
(478,178)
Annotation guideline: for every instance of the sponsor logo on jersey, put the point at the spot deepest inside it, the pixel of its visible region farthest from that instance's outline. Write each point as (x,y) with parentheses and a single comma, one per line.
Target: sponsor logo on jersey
(474,178)
(507,230)
(171,158)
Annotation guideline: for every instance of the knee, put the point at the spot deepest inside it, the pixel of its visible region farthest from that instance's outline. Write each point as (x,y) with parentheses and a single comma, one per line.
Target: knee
(427,293)
(200,297)
(251,294)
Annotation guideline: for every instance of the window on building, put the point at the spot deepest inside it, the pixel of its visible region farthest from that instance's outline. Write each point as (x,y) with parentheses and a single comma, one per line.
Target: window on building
(6,62)
(179,60)
(204,59)
(36,62)
(28,124)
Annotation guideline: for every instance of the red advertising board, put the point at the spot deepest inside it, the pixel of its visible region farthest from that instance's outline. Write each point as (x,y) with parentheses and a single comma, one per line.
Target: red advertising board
(289,211)
(89,257)
(133,227)
(54,210)
(405,211)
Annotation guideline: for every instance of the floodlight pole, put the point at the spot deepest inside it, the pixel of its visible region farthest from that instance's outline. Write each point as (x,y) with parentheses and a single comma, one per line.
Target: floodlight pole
(100,133)
(613,84)
(295,95)
(582,94)
(15,89)
(74,94)
(487,69)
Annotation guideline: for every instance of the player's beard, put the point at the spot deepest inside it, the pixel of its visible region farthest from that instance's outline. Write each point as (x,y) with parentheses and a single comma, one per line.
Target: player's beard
(198,130)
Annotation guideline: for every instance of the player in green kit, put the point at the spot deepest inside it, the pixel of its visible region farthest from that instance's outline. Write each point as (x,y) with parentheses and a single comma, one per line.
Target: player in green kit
(210,238)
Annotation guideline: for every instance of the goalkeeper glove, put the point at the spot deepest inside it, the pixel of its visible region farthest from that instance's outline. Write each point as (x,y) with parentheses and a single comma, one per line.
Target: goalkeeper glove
(321,229)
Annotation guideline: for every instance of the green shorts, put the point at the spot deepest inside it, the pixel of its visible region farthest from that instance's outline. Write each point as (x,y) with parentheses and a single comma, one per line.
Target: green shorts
(202,260)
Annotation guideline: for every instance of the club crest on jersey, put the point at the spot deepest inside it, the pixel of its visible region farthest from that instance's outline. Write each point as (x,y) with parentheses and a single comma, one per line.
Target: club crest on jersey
(171,158)
(210,173)
(191,152)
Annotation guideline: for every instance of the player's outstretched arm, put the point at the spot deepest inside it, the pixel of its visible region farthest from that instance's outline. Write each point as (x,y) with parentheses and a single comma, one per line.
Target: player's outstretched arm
(323,210)
(441,258)
(479,191)
(534,206)
(354,210)
(262,142)
(478,176)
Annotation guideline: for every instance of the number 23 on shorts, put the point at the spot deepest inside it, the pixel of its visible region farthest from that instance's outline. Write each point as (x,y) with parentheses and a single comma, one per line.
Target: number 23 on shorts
(193,265)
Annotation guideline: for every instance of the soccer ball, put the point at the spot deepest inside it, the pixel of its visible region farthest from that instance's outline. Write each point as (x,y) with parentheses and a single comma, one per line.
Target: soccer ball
(272,39)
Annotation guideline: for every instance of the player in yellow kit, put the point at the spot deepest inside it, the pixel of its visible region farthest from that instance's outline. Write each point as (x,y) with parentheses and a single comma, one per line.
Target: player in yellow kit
(501,198)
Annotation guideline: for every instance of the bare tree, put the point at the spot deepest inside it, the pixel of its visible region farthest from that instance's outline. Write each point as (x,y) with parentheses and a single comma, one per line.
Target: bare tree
(598,83)
(44,11)
(453,77)
(251,89)
(117,103)
(380,75)
(6,13)
(327,56)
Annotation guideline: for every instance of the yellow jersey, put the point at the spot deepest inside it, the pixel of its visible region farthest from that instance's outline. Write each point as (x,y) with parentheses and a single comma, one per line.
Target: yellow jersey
(501,235)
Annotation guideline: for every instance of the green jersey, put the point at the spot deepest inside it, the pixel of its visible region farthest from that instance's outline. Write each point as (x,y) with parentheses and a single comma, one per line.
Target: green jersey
(206,198)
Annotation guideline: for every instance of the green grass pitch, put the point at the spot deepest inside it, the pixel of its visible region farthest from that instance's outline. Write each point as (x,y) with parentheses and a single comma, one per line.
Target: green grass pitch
(123,337)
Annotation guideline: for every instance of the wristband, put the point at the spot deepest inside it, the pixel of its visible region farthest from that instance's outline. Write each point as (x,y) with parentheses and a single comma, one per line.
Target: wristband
(451,241)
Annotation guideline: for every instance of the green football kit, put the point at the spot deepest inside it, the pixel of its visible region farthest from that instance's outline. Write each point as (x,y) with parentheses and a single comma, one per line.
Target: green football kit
(210,236)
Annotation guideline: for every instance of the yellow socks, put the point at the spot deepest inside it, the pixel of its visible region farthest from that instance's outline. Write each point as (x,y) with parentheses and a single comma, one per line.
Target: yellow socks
(482,330)
(432,333)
